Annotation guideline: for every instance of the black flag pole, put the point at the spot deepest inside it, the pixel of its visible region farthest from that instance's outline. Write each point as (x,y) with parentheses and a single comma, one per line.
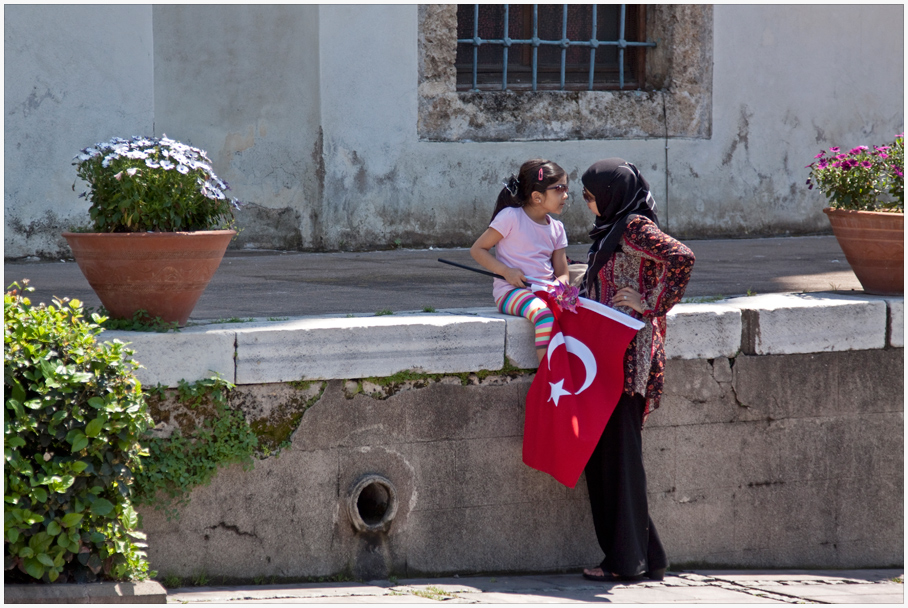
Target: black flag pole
(485,272)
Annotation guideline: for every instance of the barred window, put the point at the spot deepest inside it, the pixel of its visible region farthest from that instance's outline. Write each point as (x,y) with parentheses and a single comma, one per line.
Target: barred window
(551,47)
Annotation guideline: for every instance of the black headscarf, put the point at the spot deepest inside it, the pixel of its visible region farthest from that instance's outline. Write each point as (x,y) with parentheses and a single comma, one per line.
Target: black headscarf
(621,194)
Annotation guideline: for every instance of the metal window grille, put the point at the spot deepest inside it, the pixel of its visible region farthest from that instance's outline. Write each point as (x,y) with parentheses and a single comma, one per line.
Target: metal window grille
(593,43)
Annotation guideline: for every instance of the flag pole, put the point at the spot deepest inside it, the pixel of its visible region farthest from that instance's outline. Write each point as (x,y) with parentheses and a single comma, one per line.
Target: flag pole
(487,273)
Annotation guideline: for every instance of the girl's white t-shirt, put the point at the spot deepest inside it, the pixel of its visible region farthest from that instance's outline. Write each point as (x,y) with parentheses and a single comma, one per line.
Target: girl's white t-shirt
(526,245)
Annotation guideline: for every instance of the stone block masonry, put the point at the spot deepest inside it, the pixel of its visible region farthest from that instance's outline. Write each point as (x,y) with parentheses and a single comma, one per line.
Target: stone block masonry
(787,460)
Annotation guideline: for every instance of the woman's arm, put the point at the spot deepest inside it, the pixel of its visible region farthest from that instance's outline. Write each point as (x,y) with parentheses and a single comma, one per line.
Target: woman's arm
(560,265)
(480,253)
(676,259)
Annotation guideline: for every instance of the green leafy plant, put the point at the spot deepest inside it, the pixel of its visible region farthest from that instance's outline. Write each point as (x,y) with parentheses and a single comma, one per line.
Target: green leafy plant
(147,183)
(383,312)
(141,321)
(200,579)
(74,416)
(861,179)
(428,309)
(233,320)
(209,435)
(433,592)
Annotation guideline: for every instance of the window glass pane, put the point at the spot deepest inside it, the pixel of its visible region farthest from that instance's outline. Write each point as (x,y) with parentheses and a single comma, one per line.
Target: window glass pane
(550,18)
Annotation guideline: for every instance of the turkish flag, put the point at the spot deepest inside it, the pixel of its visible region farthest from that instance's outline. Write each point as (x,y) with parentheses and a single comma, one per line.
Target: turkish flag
(576,388)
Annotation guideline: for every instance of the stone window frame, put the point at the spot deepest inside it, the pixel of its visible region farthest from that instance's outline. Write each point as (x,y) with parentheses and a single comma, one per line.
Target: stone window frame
(676,102)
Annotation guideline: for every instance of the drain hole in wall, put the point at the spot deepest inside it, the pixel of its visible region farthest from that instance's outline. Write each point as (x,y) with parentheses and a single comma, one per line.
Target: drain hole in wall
(373,503)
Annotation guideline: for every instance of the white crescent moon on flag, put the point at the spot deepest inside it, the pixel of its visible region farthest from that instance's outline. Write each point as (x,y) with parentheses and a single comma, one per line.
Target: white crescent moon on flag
(581,351)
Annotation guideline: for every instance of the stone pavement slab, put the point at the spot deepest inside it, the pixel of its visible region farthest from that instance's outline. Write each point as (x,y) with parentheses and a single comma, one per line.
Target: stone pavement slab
(291,284)
(702,587)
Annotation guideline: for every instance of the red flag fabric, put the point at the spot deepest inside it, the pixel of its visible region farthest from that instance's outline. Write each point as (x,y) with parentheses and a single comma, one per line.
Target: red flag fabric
(576,388)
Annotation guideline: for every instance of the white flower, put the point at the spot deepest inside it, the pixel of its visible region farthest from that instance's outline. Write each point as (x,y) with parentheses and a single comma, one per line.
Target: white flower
(132,171)
(151,164)
(117,176)
(166,165)
(135,154)
(183,169)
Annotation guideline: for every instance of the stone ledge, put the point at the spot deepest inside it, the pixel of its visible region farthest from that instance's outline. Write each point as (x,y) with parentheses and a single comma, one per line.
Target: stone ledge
(191,354)
(466,340)
(146,592)
(358,347)
(783,324)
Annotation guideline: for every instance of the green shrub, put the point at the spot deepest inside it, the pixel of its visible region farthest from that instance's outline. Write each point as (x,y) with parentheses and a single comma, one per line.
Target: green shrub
(209,435)
(74,415)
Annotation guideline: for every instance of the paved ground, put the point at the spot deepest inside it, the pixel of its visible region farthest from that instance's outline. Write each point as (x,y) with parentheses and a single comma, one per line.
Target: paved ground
(703,586)
(275,284)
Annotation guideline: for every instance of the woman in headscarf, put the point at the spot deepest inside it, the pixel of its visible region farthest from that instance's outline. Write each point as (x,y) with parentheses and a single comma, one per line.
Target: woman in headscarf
(636,268)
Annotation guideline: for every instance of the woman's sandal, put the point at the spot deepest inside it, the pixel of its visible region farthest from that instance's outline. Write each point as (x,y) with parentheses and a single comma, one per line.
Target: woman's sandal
(655,575)
(608,577)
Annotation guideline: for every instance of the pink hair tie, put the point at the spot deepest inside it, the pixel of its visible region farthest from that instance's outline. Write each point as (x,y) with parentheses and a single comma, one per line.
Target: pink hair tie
(540,173)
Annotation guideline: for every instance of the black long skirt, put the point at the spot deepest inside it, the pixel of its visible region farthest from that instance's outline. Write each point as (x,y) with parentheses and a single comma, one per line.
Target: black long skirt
(617,487)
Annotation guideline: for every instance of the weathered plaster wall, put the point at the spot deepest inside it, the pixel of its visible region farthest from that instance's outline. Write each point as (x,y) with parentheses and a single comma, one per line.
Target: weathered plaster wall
(242,82)
(73,76)
(312,113)
(757,461)
(786,84)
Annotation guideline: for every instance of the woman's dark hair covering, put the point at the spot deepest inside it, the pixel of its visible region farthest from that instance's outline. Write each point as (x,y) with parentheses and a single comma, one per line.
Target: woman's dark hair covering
(621,194)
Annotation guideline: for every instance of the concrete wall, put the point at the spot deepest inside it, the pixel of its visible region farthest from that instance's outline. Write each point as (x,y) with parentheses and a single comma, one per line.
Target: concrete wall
(73,76)
(311,113)
(783,450)
(242,82)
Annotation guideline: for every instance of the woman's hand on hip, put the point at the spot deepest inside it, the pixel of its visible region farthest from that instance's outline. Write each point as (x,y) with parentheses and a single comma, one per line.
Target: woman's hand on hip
(628,297)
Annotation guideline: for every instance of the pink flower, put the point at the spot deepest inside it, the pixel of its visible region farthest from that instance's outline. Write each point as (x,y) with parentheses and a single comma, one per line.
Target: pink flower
(565,296)
(857,150)
(834,149)
(821,154)
(866,164)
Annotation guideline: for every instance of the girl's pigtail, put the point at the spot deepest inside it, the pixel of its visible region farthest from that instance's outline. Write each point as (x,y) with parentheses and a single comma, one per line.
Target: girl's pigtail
(508,197)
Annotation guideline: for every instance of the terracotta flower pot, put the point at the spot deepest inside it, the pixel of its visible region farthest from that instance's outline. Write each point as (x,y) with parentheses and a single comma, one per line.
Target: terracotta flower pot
(873,243)
(163,273)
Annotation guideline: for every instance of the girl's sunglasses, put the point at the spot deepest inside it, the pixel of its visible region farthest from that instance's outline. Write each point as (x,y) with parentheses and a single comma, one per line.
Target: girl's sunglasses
(587,196)
(561,188)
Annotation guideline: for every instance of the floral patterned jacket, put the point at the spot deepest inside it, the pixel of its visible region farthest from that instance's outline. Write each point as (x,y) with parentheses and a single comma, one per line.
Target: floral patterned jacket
(656,265)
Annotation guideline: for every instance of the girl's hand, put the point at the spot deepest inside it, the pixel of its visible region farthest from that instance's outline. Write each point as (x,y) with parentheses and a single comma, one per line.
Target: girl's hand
(628,297)
(514,276)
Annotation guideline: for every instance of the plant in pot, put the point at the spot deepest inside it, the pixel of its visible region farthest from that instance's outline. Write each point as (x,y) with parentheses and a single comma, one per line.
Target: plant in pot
(161,223)
(866,193)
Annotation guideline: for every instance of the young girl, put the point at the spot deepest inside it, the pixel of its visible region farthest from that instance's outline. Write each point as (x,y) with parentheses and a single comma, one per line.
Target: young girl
(528,243)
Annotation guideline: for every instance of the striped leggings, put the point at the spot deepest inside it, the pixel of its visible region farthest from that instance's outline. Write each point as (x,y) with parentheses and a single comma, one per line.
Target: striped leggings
(522,303)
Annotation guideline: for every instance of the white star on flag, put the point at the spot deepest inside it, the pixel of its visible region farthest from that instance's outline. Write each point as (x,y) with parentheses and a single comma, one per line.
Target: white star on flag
(558,391)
